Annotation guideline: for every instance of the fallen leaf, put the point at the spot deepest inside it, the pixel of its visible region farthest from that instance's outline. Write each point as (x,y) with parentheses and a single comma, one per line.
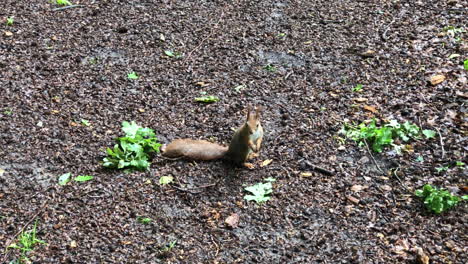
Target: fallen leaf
(2,171)
(386,188)
(73,124)
(232,221)
(436,79)
(421,257)
(202,84)
(305,174)
(141,110)
(8,33)
(368,53)
(370,108)
(73,244)
(332,94)
(266,162)
(356,188)
(125,242)
(352,199)
(360,99)
(55,111)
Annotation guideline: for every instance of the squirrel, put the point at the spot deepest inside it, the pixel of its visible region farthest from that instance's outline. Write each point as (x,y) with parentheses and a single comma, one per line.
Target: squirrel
(246,140)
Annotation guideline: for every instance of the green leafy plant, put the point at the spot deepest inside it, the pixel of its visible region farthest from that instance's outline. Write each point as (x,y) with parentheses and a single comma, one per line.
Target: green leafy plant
(62,2)
(169,246)
(10,21)
(7,111)
(134,149)
(83,178)
(429,133)
(133,76)
(357,88)
(465,64)
(438,200)
(260,191)
(207,99)
(166,180)
(270,68)
(381,136)
(144,220)
(460,164)
(26,242)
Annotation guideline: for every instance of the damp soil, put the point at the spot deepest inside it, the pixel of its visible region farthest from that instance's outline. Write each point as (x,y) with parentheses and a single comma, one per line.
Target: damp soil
(299,60)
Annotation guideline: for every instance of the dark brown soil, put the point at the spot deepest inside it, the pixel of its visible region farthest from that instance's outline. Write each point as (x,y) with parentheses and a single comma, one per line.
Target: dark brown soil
(58,67)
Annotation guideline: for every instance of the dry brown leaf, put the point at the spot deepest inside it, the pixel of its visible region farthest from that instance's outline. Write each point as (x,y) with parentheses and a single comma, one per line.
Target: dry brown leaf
(368,53)
(266,162)
(141,110)
(360,99)
(386,188)
(436,79)
(8,33)
(370,108)
(73,124)
(352,199)
(202,84)
(306,174)
(357,188)
(421,257)
(124,242)
(232,221)
(73,244)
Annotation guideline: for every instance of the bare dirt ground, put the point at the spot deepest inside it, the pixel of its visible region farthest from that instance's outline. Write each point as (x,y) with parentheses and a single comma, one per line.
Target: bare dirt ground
(300,61)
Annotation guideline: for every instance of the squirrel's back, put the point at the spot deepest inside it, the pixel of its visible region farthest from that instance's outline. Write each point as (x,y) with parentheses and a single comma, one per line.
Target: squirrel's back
(194,149)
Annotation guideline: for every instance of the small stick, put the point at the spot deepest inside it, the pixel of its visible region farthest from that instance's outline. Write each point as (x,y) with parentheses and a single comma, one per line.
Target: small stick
(66,7)
(372,156)
(319,169)
(441,142)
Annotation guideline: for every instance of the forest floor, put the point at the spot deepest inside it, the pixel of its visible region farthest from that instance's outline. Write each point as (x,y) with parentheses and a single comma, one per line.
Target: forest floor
(312,65)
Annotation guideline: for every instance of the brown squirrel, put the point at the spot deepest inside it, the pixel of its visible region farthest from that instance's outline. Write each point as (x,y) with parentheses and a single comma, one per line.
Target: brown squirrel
(246,139)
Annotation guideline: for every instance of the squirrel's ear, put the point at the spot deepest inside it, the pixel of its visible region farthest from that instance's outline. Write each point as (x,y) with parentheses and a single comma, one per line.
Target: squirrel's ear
(249,109)
(258,110)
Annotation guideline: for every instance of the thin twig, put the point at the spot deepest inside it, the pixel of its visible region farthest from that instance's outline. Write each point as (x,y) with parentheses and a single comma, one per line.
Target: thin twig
(22,229)
(372,156)
(441,142)
(207,37)
(66,7)
(399,180)
(319,169)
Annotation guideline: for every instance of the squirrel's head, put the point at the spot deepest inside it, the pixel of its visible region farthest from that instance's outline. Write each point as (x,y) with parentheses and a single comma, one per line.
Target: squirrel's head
(253,119)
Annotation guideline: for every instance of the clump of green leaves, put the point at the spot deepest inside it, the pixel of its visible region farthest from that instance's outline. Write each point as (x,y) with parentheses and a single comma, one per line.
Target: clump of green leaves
(438,200)
(133,76)
(260,191)
(465,64)
(26,242)
(379,137)
(207,99)
(10,21)
(133,150)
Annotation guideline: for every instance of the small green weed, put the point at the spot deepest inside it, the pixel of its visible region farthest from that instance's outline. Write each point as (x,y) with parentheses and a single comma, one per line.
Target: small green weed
(133,150)
(26,242)
(166,180)
(144,220)
(460,164)
(207,99)
(133,76)
(169,246)
(270,68)
(10,21)
(260,191)
(8,111)
(380,137)
(438,200)
(465,64)
(357,88)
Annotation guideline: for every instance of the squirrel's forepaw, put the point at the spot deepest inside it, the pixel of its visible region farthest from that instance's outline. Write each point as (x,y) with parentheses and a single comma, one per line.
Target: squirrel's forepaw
(249,166)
